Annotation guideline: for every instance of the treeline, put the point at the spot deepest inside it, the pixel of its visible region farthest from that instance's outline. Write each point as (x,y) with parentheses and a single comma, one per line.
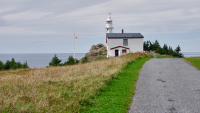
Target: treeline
(71,61)
(12,65)
(155,46)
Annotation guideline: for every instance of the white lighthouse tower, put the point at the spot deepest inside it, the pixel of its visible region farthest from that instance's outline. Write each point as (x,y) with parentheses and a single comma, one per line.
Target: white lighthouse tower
(109,25)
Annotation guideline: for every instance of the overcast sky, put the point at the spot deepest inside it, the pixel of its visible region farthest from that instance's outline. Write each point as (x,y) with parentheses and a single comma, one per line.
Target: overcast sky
(47,26)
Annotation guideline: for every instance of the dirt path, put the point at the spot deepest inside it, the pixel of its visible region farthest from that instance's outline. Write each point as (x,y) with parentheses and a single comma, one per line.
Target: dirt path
(167,86)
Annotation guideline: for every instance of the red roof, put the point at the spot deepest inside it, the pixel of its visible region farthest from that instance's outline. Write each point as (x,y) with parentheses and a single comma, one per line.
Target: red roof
(118,47)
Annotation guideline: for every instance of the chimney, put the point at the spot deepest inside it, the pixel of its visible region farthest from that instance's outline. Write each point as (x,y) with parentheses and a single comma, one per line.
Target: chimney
(122,31)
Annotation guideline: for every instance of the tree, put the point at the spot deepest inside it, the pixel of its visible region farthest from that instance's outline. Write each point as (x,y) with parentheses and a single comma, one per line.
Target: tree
(1,66)
(165,49)
(25,65)
(150,46)
(71,61)
(170,51)
(145,46)
(178,49)
(159,49)
(155,45)
(12,64)
(55,61)
(85,59)
(7,65)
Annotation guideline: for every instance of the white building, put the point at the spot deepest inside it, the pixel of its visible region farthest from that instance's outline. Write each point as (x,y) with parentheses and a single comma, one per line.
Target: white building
(122,43)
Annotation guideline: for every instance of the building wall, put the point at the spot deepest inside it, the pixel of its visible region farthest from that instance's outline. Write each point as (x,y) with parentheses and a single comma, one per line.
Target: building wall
(112,52)
(135,45)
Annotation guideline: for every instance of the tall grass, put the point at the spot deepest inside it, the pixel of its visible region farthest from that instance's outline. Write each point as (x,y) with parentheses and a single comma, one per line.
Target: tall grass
(117,95)
(195,61)
(58,89)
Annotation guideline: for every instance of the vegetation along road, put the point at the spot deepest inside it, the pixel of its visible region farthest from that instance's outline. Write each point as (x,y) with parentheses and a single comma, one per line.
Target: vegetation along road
(167,85)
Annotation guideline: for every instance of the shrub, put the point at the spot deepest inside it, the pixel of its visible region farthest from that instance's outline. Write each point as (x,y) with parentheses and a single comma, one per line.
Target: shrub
(71,61)
(55,61)
(165,50)
(25,65)
(12,65)
(85,59)
(1,66)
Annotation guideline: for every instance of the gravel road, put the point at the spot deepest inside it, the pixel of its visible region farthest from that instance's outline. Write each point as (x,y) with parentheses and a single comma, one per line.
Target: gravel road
(167,86)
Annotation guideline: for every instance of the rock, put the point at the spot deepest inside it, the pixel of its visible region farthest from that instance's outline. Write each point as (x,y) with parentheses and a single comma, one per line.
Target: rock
(152,53)
(96,51)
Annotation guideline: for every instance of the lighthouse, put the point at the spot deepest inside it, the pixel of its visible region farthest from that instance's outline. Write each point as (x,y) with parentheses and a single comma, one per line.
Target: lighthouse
(109,25)
(122,43)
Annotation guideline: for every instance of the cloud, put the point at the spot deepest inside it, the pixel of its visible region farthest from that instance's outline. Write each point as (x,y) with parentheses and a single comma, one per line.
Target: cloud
(38,18)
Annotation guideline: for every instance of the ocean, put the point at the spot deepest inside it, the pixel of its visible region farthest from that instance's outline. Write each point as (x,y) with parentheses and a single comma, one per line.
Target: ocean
(38,60)
(191,54)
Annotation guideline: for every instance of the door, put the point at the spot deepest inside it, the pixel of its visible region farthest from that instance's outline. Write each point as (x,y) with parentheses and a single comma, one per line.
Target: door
(116,52)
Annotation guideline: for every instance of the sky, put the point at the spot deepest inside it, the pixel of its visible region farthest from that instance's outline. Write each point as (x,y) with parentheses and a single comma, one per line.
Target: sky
(47,26)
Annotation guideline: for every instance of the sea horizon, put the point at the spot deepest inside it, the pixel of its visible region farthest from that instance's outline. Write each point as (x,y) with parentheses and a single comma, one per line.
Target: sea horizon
(39,60)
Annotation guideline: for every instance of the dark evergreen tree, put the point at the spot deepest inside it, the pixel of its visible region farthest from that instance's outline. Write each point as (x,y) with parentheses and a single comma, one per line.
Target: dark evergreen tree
(155,45)
(13,64)
(165,49)
(25,65)
(170,51)
(159,50)
(18,65)
(180,55)
(55,61)
(1,66)
(178,49)
(7,65)
(145,46)
(71,61)
(150,46)
(85,59)
(76,61)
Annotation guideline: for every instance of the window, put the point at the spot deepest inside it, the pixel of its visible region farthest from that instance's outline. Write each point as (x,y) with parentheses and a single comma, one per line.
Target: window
(108,22)
(125,42)
(123,51)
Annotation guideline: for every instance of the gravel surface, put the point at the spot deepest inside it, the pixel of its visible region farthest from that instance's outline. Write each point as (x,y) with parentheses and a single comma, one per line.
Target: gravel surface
(167,86)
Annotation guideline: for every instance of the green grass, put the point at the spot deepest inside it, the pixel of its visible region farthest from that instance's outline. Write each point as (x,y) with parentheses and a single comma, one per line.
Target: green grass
(165,57)
(117,95)
(195,61)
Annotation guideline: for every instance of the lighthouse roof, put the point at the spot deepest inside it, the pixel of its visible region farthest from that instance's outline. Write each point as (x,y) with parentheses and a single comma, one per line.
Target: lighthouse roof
(123,35)
(109,19)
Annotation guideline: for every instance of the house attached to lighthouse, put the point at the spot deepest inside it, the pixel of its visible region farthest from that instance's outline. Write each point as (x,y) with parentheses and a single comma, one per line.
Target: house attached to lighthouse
(122,43)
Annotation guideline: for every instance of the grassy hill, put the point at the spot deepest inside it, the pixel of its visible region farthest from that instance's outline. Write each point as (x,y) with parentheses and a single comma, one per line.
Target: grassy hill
(58,89)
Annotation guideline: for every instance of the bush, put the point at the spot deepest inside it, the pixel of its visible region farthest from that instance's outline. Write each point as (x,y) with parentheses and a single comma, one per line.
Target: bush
(85,59)
(12,65)
(71,61)
(165,50)
(25,65)
(1,66)
(55,61)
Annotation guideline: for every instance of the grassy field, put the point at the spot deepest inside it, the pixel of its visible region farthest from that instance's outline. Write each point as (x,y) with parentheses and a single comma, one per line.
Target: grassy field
(117,95)
(195,61)
(58,89)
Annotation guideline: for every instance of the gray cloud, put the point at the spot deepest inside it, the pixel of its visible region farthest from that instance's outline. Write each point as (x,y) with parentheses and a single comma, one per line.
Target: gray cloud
(32,20)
